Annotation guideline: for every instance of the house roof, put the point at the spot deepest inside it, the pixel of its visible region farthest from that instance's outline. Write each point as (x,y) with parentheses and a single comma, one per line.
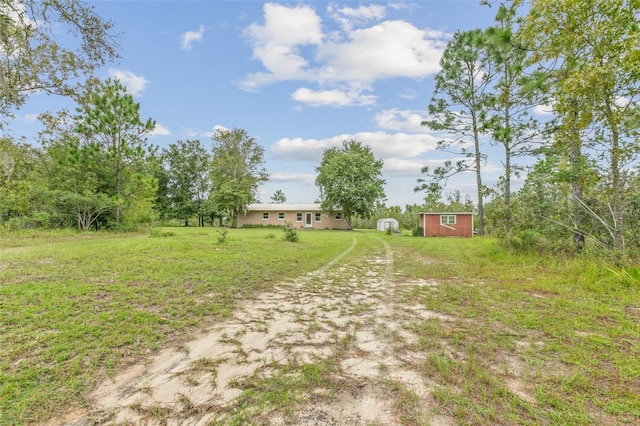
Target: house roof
(264,207)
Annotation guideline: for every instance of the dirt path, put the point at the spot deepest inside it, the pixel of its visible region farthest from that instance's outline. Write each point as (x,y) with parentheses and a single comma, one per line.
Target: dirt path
(344,323)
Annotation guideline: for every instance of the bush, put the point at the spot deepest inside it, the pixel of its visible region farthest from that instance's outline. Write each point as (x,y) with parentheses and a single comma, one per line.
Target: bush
(222,235)
(252,226)
(290,233)
(418,231)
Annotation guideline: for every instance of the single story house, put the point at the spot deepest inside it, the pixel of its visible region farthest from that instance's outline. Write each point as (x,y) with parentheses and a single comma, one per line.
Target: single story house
(447,224)
(384,224)
(309,216)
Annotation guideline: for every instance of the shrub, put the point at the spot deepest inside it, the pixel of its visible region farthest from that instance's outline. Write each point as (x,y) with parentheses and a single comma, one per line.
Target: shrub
(290,233)
(418,231)
(222,236)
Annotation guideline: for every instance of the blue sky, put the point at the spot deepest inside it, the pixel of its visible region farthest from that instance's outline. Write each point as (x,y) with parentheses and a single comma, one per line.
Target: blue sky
(299,76)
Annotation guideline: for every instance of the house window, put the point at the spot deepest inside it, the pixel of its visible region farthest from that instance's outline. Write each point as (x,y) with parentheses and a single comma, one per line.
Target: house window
(265,216)
(338,216)
(281,216)
(318,217)
(298,217)
(447,219)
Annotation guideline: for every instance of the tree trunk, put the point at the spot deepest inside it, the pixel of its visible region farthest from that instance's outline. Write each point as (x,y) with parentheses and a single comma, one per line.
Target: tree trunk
(616,186)
(478,164)
(576,188)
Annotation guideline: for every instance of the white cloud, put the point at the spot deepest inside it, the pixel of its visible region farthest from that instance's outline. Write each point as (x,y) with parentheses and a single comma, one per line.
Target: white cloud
(198,134)
(406,167)
(303,178)
(160,130)
(384,145)
(30,118)
(349,17)
(388,50)
(543,110)
(401,120)
(135,84)
(409,94)
(187,39)
(277,43)
(623,102)
(292,46)
(333,97)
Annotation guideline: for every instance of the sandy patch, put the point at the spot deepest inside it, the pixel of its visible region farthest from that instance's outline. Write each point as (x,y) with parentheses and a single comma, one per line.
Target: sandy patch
(349,311)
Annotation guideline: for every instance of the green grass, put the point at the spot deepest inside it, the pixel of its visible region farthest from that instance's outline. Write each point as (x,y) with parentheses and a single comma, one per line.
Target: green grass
(570,324)
(75,307)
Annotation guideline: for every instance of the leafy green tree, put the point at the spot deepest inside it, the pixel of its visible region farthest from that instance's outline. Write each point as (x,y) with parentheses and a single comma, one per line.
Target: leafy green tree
(595,86)
(73,176)
(18,179)
(510,120)
(237,169)
(433,193)
(109,122)
(350,181)
(31,55)
(458,107)
(278,197)
(188,183)
(162,202)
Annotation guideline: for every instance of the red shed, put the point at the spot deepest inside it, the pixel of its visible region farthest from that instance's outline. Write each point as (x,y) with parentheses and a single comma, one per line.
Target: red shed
(447,224)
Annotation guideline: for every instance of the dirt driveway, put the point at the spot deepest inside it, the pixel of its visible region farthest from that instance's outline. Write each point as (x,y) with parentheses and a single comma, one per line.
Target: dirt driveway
(328,348)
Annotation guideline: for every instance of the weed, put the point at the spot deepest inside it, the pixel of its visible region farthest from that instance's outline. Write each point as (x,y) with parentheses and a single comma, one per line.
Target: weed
(156,233)
(222,235)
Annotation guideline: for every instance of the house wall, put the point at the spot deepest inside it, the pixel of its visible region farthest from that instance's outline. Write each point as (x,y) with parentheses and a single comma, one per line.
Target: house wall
(256,218)
(432,227)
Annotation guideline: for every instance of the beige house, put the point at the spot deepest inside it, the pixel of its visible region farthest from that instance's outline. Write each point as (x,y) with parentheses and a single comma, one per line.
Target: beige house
(309,216)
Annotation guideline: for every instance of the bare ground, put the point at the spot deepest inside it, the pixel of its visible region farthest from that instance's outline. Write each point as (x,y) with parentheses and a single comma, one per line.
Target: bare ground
(346,315)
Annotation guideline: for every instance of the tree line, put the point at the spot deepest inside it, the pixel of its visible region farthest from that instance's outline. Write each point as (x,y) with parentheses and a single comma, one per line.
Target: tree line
(580,60)
(95,168)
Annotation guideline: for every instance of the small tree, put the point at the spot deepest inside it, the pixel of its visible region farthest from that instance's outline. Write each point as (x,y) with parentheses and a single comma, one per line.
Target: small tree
(188,184)
(290,233)
(109,121)
(278,197)
(350,181)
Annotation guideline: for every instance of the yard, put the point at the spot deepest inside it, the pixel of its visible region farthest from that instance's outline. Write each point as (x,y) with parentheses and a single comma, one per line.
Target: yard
(195,326)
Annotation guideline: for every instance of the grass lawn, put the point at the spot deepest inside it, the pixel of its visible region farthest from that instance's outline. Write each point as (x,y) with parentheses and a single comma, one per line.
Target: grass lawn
(569,327)
(75,308)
